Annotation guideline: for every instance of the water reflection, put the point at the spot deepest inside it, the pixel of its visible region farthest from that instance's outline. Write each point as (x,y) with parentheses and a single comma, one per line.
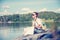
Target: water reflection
(15,24)
(10,31)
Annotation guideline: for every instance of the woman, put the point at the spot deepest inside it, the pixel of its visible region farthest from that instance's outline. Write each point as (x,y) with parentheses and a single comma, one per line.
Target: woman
(37,23)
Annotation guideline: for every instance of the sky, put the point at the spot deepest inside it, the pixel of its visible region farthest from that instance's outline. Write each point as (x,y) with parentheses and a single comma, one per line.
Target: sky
(25,6)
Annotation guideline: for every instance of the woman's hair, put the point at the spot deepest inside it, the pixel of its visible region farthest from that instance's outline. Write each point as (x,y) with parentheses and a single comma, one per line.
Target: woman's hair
(36,14)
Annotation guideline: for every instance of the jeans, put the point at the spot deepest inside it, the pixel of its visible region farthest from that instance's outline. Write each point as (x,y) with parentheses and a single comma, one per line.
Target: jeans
(38,30)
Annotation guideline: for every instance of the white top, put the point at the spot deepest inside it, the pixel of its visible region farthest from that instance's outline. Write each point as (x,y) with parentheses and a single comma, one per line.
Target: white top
(37,22)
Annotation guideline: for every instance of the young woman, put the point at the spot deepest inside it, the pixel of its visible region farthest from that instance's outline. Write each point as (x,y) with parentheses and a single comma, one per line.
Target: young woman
(37,23)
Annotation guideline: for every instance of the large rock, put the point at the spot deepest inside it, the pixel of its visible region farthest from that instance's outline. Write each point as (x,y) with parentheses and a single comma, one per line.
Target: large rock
(31,37)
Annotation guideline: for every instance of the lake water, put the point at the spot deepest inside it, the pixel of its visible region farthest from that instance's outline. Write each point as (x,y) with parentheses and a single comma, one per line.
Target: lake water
(10,31)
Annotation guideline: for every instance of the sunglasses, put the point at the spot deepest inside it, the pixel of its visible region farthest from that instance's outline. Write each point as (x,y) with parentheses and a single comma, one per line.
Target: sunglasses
(32,14)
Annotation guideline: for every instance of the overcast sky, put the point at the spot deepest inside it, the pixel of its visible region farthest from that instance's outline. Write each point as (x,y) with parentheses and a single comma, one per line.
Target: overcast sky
(25,6)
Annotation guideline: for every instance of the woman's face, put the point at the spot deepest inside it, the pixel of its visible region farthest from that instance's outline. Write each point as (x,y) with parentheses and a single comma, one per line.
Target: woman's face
(33,15)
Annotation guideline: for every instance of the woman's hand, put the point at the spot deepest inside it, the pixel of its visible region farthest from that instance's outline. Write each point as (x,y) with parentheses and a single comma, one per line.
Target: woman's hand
(39,26)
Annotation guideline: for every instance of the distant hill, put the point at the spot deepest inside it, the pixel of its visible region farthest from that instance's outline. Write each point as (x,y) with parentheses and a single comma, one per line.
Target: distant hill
(49,15)
(27,17)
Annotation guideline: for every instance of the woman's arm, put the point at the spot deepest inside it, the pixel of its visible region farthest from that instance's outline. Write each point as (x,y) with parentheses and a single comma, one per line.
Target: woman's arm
(41,25)
(32,24)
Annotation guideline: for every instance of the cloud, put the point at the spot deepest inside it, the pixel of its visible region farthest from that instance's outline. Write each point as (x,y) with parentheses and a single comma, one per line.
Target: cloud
(1,13)
(27,10)
(44,9)
(5,6)
(5,13)
(58,10)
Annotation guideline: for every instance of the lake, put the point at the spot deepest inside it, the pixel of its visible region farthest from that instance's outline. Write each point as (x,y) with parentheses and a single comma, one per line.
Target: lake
(10,31)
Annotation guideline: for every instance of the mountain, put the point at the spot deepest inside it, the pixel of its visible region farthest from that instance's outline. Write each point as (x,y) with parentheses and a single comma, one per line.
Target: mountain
(28,17)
